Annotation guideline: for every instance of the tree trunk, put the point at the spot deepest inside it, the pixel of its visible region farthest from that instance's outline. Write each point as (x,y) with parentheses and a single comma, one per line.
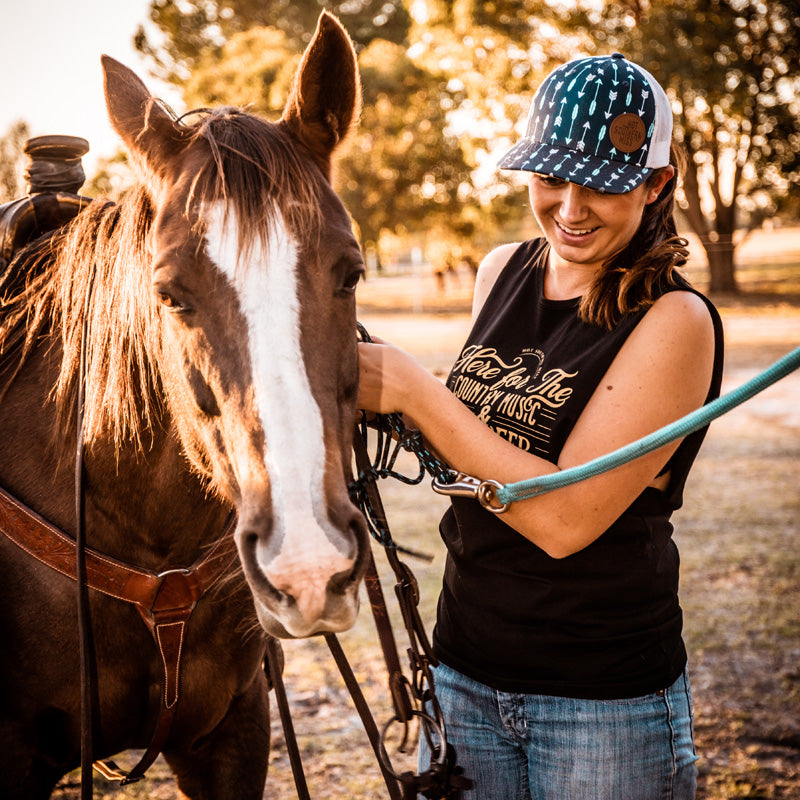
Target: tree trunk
(716,235)
(721,265)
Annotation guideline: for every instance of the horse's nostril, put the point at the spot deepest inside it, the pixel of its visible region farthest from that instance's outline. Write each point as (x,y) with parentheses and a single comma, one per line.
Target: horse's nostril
(339,582)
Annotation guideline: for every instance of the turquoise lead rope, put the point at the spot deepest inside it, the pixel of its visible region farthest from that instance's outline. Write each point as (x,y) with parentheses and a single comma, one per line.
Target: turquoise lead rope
(496,497)
(532,487)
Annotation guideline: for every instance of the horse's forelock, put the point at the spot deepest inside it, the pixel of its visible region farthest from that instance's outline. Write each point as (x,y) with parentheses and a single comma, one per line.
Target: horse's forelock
(258,171)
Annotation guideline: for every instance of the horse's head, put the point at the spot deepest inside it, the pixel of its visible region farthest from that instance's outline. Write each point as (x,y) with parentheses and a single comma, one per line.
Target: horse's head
(254,265)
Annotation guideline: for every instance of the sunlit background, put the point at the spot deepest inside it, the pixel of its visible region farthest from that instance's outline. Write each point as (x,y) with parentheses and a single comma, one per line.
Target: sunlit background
(50,72)
(446,84)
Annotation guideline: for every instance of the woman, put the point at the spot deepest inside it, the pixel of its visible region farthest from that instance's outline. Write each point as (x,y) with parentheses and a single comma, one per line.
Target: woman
(563,671)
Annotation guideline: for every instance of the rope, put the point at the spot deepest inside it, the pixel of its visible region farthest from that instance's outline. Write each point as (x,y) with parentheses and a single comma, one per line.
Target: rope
(392,436)
(383,465)
(532,487)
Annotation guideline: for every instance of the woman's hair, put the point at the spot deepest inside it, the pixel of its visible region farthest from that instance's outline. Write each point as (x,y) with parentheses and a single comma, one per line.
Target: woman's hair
(638,275)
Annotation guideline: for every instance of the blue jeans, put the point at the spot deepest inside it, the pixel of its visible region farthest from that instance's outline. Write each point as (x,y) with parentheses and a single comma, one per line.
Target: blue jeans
(536,747)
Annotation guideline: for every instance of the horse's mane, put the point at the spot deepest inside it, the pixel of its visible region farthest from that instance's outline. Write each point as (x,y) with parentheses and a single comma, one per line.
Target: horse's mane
(94,275)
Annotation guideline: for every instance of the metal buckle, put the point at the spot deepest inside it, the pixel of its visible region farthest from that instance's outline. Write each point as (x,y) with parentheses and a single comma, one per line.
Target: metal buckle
(463,485)
(112,773)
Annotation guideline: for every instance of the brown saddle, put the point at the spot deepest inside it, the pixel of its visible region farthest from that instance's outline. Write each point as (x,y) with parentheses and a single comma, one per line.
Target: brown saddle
(54,175)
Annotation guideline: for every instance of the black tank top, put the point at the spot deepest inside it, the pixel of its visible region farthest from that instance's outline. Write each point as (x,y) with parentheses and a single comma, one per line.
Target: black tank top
(604,622)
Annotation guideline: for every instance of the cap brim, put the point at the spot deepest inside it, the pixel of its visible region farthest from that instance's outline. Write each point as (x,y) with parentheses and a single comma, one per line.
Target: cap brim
(600,174)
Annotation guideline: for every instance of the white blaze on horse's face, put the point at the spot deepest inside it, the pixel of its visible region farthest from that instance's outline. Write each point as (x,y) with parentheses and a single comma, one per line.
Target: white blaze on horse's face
(304,554)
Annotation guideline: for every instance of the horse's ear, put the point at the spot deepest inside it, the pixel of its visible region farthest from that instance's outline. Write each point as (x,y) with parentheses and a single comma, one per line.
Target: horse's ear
(325,99)
(149,133)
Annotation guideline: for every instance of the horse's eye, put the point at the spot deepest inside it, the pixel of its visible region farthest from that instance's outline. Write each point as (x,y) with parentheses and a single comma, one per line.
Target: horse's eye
(169,301)
(351,280)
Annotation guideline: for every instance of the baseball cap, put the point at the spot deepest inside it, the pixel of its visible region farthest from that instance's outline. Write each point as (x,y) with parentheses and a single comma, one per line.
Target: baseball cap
(602,122)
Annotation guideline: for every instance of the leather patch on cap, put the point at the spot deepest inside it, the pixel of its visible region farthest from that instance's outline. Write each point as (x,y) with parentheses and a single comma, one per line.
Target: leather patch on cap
(627,132)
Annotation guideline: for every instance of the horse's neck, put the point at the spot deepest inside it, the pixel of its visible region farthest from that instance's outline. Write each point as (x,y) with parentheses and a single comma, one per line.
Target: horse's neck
(143,505)
(31,468)
(147,505)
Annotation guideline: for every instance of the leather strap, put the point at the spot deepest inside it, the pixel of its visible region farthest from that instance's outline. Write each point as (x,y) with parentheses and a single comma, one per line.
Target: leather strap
(397,683)
(165,600)
(367,720)
(274,668)
(46,543)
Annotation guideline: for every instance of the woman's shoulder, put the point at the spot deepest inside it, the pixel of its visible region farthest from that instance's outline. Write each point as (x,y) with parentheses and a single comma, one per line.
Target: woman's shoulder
(494,261)
(684,306)
(493,264)
(683,322)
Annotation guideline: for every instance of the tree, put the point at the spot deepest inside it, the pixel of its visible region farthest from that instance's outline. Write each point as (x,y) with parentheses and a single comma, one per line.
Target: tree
(253,68)
(404,168)
(403,171)
(187,32)
(13,161)
(732,69)
(485,57)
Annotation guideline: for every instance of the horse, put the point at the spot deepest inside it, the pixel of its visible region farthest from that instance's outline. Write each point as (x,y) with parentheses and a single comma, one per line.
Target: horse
(207,319)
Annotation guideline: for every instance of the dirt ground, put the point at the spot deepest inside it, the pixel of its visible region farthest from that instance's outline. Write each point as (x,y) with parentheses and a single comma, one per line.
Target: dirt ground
(738,534)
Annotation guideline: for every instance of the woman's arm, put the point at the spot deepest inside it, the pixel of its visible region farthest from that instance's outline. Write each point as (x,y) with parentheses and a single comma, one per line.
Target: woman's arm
(662,372)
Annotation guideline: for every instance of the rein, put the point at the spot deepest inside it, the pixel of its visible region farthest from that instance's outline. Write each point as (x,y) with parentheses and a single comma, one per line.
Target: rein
(496,497)
(443,780)
(88,663)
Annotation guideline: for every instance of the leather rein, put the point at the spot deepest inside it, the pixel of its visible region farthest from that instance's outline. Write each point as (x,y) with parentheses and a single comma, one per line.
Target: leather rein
(443,779)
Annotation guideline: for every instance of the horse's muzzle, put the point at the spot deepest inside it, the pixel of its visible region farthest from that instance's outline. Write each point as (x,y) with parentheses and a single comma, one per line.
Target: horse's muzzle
(304,576)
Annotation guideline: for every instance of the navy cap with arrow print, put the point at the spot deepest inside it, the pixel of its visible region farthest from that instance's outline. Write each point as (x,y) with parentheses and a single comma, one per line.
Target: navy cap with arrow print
(602,122)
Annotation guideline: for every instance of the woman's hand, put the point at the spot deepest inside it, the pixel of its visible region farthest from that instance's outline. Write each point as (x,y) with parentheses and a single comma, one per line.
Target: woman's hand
(388,377)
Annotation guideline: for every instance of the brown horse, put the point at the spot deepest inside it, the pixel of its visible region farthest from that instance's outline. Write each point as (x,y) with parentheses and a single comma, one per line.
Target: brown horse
(216,306)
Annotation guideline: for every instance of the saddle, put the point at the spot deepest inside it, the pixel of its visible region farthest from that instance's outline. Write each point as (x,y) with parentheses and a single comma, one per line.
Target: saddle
(54,175)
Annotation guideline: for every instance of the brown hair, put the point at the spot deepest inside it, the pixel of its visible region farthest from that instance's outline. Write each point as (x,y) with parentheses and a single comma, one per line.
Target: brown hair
(638,275)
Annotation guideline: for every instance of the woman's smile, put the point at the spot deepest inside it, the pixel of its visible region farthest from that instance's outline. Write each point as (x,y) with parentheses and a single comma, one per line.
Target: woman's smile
(585,227)
(573,231)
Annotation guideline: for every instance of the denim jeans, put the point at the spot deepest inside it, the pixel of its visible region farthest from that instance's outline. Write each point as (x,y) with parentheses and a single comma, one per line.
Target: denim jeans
(536,747)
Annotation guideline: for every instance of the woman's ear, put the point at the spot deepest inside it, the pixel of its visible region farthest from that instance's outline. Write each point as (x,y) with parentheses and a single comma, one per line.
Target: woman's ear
(657,181)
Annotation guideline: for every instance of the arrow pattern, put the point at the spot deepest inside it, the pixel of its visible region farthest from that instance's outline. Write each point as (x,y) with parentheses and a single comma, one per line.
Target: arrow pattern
(582,99)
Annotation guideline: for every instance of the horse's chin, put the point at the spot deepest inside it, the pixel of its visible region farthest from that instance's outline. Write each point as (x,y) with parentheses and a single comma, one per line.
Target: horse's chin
(287,623)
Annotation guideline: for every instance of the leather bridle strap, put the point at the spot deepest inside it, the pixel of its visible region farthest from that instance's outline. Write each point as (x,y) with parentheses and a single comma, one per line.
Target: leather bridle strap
(398,685)
(367,720)
(273,664)
(443,778)
(88,661)
(164,600)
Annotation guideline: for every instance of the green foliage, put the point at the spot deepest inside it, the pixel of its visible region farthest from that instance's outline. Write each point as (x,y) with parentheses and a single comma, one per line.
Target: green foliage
(253,68)
(401,172)
(189,31)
